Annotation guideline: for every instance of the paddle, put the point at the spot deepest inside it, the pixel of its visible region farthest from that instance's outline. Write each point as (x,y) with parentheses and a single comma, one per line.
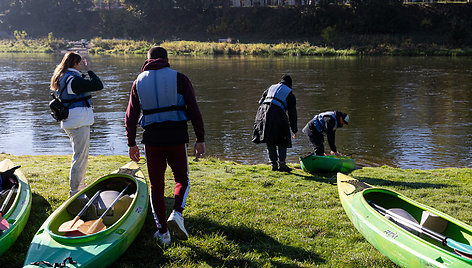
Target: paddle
(97,225)
(4,225)
(73,225)
(446,241)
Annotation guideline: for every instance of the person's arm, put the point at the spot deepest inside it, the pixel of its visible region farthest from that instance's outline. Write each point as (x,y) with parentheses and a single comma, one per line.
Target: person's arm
(193,111)
(131,121)
(330,132)
(81,85)
(133,112)
(292,112)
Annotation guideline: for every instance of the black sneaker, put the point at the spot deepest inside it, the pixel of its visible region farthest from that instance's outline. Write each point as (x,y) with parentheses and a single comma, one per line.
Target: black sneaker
(284,168)
(275,167)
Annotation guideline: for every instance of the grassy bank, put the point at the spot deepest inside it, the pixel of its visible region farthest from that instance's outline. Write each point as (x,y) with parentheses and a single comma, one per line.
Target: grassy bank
(31,45)
(246,215)
(403,48)
(119,46)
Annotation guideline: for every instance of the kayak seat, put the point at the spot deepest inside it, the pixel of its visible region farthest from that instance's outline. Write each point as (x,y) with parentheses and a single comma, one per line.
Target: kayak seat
(433,222)
(78,204)
(404,214)
(105,199)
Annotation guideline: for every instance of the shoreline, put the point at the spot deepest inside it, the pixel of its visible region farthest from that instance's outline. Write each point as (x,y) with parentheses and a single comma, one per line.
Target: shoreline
(99,46)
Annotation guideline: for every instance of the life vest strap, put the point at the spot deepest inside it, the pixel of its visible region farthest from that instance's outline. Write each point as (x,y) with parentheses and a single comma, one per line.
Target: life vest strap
(267,100)
(165,109)
(79,99)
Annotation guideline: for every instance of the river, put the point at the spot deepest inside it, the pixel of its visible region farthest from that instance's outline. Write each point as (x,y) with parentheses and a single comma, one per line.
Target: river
(407,112)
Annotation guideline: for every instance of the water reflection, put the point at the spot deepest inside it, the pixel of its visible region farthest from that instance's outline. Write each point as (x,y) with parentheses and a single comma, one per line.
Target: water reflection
(405,112)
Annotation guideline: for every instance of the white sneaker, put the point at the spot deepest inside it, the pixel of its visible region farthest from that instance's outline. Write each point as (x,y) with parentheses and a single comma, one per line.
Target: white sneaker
(176,224)
(162,239)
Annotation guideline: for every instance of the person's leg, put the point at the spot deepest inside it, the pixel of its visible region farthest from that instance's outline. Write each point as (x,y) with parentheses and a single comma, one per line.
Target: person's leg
(317,142)
(272,151)
(177,159)
(156,163)
(282,154)
(178,162)
(282,157)
(80,141)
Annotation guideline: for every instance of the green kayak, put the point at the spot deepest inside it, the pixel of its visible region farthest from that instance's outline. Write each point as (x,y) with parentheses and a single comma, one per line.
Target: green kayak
(122,223)
(18,208)
(407,232)
(329,163)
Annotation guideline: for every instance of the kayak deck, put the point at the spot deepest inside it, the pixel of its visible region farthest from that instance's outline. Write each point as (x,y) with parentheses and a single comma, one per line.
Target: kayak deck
(103,247)
(328,163)
(399,243)
(18,208)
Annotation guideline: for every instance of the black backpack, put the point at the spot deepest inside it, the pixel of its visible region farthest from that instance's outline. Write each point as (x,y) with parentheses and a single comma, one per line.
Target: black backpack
(58,110)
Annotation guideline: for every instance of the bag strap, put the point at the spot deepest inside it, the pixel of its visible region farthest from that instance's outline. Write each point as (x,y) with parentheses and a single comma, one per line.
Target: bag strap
(67,83)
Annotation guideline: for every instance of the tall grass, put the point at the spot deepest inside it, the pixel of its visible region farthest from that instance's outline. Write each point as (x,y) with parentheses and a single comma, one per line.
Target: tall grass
(113,46)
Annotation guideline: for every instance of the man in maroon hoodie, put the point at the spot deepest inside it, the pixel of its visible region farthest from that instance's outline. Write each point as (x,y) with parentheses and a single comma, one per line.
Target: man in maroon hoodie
(166,99)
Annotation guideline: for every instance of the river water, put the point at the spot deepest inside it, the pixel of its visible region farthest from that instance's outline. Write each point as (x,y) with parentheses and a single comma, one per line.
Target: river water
(407,112)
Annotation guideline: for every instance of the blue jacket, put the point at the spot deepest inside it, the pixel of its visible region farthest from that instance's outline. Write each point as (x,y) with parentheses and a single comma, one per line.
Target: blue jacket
(319,122)
(82,99)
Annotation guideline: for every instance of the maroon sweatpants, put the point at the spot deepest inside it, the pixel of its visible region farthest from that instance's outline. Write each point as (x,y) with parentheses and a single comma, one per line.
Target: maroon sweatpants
(157,158)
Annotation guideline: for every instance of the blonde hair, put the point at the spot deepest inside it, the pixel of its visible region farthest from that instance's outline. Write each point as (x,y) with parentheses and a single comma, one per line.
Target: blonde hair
(69,60)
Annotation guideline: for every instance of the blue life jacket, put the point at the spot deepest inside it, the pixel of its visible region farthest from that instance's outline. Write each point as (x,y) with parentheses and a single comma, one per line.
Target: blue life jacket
(158,96)
(277,95)
(73,100)
(319,122)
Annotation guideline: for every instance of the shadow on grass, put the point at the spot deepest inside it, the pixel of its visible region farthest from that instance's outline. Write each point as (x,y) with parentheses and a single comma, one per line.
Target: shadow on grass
(145,252)
(16,254)
(331,178)
(412,185)
(249,241)
(323,177)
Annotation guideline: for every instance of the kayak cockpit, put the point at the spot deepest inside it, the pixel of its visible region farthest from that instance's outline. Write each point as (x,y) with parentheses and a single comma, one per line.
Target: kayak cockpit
(9,190)
(105,204)
(403,211)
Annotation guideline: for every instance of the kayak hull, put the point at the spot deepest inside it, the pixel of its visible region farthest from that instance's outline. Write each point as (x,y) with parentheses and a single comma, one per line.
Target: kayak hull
(399,245)
(329,163)
(98,249)
(18,213)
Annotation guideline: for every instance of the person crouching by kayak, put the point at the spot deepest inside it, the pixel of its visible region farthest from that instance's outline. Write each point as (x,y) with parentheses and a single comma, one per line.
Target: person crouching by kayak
(325,123)
(272,126)
(74,91)
(166,99)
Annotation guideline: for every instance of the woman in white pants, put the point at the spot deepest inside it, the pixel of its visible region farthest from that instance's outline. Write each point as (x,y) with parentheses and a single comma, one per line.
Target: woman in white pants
(73,88)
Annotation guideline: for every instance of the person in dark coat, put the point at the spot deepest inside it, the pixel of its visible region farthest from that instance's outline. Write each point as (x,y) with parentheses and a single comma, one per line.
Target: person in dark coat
(275,117)
(325,123)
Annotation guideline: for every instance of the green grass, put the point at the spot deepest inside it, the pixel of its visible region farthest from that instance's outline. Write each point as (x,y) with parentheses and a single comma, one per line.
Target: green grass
(121,46)
(31,45)
(248,216)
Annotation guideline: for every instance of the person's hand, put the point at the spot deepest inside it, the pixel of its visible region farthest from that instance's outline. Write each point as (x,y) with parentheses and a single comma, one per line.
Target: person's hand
(86,64)
(134,153)
(199,149)
(294,135)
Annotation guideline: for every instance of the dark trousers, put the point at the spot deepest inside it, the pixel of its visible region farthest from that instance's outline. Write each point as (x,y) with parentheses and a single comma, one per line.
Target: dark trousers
(317,142)
(272,150)
(157,158)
